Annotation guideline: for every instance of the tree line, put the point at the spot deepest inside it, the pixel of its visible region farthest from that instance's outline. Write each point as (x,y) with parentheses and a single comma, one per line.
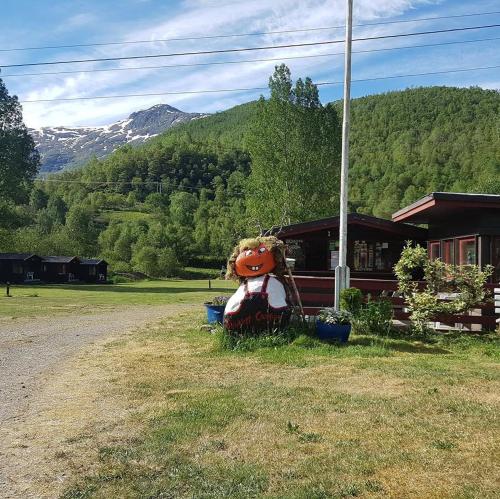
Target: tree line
(180,201)
(185,197)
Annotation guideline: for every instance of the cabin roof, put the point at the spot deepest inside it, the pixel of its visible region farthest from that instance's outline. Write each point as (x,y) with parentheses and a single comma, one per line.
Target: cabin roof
(401,229)
(92,261)
(17,256)
(59,259)
(442,204)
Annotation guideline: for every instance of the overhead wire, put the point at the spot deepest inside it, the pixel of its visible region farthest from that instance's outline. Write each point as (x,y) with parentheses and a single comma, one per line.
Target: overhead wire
(246,61)
(236,35)
(250,89)
(249,49)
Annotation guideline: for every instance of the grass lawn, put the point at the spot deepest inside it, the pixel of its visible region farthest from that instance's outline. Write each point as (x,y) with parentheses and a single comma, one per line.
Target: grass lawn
(39,300)
(376,418)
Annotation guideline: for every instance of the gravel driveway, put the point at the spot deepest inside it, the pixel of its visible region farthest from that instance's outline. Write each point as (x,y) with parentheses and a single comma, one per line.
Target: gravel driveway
(31,349)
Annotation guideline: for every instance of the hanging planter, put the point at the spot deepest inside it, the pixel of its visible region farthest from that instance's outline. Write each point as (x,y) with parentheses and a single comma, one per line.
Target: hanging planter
(333,325)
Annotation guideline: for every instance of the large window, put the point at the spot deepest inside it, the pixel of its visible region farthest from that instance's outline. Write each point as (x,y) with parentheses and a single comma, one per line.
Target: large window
(370,255)
(467,251)
(434,250)
(449,251)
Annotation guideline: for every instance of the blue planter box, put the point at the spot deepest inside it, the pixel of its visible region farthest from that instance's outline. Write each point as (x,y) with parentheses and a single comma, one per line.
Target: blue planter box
(215,313)
(336,332)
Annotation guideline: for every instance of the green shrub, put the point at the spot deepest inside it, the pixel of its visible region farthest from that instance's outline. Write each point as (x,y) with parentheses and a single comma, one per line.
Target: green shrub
(466,282)
(119,279)
(168,264)
(375,317)
(232,340)
(351,299)
(121,266)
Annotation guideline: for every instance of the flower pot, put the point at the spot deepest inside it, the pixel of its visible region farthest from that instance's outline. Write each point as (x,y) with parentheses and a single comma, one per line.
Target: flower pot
(338,332)
(215,313)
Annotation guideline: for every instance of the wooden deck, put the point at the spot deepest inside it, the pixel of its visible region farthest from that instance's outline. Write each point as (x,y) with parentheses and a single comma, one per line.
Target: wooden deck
(317,292)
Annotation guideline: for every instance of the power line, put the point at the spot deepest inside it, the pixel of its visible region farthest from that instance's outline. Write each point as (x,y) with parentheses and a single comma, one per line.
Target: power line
(249,49)
(216,63)
(238,35)
(250,89)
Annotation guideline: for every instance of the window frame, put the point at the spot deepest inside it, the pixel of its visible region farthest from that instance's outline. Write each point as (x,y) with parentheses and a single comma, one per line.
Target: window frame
(453,252)
(458,240)
(430,246)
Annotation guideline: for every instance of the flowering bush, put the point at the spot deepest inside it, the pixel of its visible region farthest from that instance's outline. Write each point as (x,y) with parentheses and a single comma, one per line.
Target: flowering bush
(466,282)
(332,316)
(219,301)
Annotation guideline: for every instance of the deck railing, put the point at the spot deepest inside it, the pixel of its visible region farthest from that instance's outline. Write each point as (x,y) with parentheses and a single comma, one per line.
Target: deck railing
(317,292)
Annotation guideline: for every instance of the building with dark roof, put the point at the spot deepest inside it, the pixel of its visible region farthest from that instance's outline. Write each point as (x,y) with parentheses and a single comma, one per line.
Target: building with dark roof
(60,268)
(20,267)
(464,229)
(93,270)
(25,268)
(373,245)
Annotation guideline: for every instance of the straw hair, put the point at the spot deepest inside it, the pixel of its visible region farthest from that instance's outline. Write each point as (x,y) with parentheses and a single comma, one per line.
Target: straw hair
(272,243)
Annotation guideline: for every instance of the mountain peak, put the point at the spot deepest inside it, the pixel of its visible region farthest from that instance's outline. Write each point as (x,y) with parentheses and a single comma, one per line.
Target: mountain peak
(66,147)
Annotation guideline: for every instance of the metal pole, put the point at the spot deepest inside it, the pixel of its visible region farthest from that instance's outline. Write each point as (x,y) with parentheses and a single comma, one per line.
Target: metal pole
(342,271)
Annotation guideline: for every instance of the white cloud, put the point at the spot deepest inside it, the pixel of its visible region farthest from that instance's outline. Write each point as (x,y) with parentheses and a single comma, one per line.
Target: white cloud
(209,18)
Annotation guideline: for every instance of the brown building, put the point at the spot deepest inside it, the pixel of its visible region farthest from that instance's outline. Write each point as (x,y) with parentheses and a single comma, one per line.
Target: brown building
(20,267)
(93,270)
(25,268)
(464,229)
(373,245)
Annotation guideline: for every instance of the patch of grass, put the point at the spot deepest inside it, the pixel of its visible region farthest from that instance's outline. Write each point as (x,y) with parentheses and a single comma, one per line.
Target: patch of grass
(300,418)
(40,300)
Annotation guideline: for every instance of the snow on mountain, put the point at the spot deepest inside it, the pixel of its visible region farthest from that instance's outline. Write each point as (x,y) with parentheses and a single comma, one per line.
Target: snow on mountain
(64,147)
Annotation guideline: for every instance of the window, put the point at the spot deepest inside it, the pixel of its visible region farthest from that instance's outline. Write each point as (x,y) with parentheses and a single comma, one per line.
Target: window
(92,270)
(371,256)
(449,251)
(333,247)
(434,250)
(467,251)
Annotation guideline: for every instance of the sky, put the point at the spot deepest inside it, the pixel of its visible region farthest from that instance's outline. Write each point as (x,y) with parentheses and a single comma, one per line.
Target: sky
(34,24)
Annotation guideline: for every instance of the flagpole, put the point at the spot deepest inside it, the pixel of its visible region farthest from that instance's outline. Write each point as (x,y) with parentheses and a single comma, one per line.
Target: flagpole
(342,270)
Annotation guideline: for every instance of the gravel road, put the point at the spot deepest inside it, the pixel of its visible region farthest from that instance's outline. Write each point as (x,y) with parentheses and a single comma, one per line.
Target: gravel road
(30,350)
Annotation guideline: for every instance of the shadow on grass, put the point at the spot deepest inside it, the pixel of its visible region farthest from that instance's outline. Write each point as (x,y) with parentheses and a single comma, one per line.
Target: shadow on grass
(399,346)
(112,288)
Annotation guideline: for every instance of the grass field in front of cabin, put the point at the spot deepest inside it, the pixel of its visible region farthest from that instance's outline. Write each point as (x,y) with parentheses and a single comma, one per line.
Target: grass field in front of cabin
(43,300)
(379,417)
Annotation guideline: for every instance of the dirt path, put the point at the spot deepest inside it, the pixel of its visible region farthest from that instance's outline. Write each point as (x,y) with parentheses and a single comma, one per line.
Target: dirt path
(35,352)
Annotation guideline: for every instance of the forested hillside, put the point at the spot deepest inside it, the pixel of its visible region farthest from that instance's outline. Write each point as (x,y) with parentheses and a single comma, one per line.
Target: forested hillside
(187,195)
(404,144)
(407,144)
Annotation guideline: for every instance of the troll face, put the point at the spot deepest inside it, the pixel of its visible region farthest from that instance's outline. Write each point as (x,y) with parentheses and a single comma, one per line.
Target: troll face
(253,262)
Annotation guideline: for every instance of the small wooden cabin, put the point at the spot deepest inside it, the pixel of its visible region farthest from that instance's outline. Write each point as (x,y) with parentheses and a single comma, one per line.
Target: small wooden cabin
(373,245)
(93,270)
(20,267)
(60,268)
(463,229)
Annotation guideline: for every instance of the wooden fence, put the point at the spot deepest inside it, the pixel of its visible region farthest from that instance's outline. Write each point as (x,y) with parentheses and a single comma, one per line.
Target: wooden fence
(317,292)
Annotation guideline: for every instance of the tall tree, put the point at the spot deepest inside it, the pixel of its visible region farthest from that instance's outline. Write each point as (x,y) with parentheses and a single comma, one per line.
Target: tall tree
(19,160)
(294,143)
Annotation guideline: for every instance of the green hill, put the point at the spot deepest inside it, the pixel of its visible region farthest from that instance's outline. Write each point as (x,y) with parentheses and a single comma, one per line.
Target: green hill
(403,145)
(180,198)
